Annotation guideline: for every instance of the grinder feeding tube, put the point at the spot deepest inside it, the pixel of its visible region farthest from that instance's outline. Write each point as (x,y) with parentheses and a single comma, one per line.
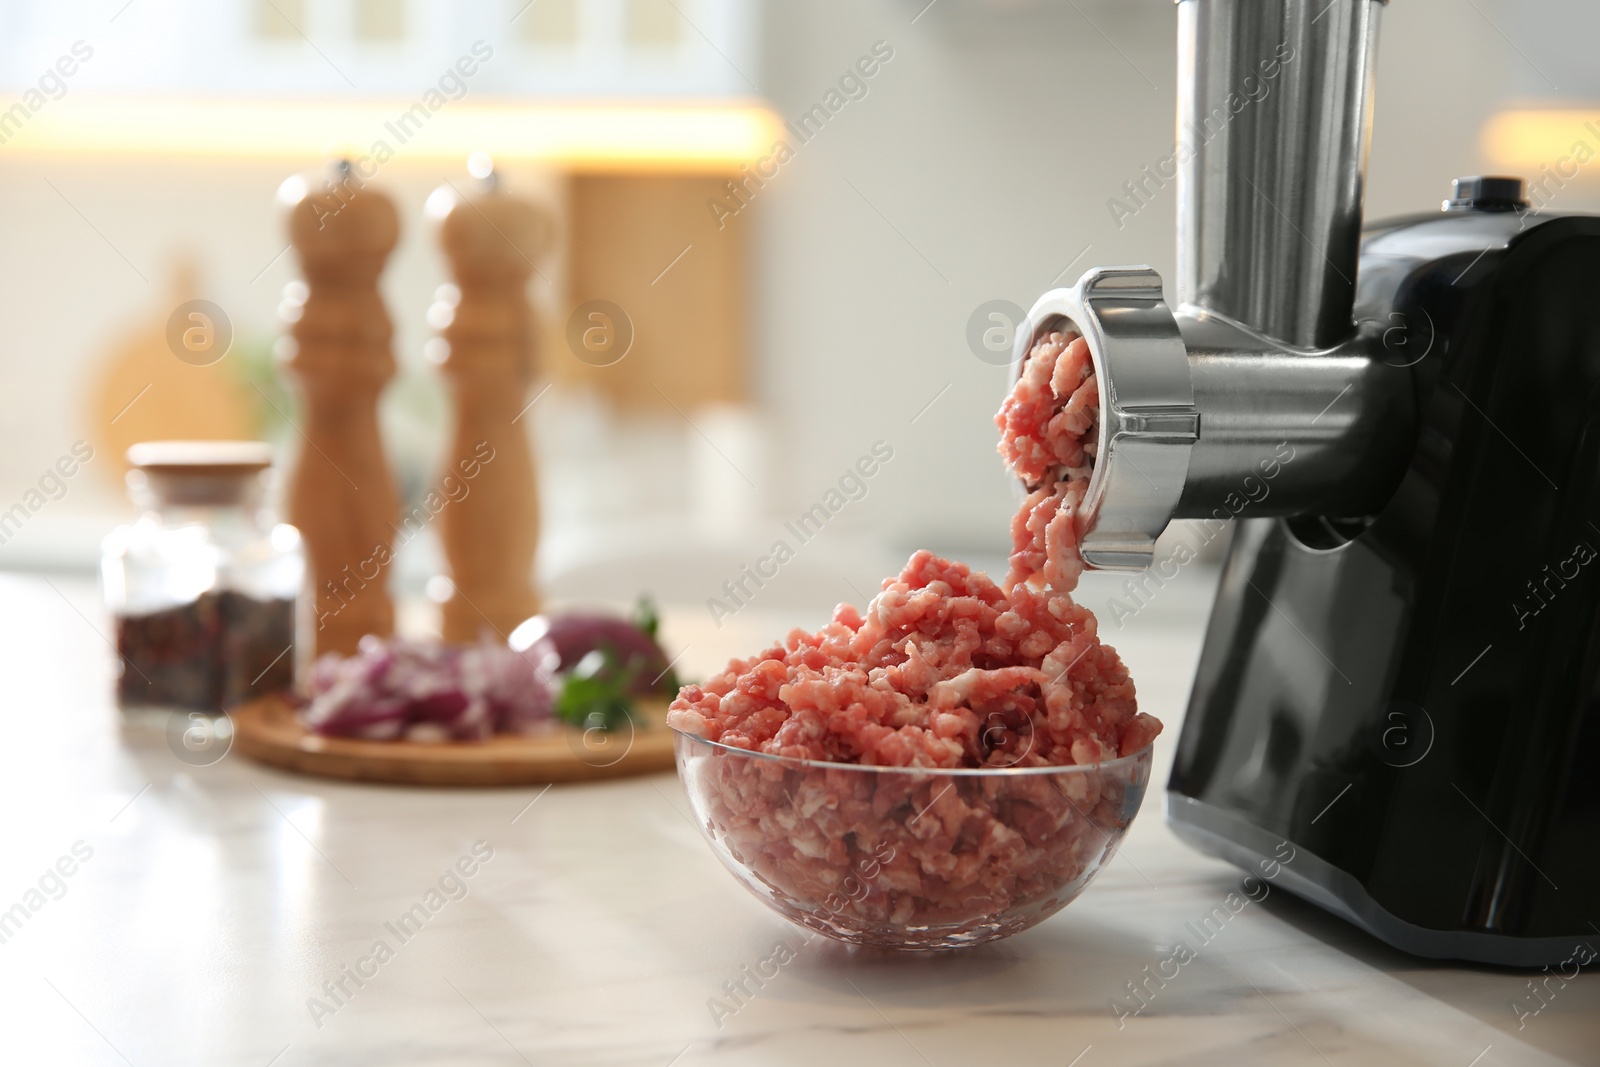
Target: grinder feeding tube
(1391,689)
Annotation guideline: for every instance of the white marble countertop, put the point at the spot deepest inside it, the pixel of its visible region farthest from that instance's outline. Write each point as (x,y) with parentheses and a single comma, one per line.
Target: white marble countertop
(207,907)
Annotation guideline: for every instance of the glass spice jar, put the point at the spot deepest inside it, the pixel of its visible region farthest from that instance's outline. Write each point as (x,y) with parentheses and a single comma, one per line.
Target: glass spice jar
(204,589)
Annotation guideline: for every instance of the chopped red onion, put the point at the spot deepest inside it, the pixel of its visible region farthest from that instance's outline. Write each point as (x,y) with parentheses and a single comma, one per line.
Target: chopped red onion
(398,689)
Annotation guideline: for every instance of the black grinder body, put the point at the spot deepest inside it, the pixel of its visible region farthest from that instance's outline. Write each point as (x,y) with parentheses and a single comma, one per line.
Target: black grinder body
(1412,698)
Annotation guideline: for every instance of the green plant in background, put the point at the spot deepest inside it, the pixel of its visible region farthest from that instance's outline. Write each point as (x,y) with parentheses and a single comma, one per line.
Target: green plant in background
(273,405)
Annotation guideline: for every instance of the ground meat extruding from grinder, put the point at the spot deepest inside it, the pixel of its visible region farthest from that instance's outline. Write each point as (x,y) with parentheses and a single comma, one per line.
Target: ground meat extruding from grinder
(948,669)
(1049,432)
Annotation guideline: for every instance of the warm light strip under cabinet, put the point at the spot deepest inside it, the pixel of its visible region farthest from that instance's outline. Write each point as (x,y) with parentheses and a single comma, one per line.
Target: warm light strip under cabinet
(592,136)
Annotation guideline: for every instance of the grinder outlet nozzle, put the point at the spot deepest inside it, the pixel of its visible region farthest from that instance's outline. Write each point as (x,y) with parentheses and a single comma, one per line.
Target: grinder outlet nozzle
(1148,421)
(1202,418)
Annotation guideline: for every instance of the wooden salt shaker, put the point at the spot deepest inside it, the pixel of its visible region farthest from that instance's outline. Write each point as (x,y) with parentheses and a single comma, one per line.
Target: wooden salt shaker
(341,495)
(486,348)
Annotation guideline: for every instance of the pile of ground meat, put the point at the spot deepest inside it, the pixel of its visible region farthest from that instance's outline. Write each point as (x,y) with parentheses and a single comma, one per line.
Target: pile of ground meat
(1049,430)
(944,670)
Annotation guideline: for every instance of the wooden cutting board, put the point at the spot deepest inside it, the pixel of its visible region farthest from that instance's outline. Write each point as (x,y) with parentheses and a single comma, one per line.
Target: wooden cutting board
(267,731)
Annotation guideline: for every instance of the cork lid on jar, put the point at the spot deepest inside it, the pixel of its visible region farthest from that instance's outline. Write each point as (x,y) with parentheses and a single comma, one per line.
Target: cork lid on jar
(196,472)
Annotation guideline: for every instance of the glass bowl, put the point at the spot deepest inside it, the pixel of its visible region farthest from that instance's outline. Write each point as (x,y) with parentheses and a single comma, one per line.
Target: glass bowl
(909,858)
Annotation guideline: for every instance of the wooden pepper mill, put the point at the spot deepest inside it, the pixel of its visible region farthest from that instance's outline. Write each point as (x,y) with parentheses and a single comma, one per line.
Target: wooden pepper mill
(486,348)
(341,495)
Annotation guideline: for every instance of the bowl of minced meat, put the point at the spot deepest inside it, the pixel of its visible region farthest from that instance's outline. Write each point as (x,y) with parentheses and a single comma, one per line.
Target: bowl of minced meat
(955,763)
(950,767)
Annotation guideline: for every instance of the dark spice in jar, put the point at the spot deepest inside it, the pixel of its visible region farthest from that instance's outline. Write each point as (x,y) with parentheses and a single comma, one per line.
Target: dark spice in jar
(256,639)
(215,652)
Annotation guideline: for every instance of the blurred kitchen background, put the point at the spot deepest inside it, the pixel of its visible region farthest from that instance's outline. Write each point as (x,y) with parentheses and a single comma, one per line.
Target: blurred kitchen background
(773,345)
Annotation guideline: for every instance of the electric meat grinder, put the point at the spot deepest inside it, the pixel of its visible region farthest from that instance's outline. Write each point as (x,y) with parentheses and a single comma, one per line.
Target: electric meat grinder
(1401,673)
